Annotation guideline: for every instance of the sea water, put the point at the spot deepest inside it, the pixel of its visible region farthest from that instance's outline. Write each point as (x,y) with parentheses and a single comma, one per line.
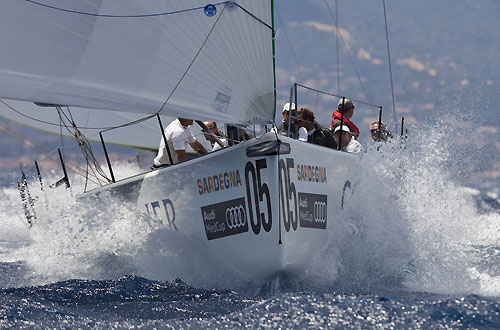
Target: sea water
(411,250)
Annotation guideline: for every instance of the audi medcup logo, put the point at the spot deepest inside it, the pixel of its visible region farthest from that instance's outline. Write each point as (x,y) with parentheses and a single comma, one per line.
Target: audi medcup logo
(320,211)
(236,217)
(225,218)
(313,210)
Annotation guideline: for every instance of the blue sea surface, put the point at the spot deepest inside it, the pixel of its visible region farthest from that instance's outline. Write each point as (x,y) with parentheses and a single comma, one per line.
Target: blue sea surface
(132,301)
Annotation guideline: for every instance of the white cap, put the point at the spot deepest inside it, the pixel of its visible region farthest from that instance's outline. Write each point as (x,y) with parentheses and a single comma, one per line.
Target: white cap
(347,103)
(286,107)
(344,128)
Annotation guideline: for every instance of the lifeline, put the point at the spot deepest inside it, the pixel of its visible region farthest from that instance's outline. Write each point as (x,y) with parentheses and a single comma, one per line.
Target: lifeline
(311,173)
(218,182)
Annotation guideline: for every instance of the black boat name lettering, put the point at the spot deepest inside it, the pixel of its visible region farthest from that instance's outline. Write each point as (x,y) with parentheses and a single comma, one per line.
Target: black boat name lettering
(168,208)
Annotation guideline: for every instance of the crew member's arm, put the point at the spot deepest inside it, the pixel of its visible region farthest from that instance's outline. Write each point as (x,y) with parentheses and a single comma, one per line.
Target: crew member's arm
(181,155)
(197,146)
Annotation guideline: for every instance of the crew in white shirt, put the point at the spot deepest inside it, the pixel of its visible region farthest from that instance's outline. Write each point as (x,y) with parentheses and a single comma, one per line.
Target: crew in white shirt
(178,137)
(348,143)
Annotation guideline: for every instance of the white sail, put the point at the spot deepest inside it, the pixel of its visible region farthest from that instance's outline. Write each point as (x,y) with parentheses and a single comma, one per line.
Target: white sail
(209,62)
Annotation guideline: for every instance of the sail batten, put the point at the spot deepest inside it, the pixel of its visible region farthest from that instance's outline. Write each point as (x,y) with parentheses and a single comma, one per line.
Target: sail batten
(136,64)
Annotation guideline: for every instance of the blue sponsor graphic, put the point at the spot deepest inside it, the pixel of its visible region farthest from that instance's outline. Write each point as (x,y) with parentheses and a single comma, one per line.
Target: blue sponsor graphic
(210,10)
(347,184)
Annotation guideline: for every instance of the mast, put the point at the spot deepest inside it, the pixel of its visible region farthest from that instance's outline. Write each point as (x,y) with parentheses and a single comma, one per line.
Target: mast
(274,59)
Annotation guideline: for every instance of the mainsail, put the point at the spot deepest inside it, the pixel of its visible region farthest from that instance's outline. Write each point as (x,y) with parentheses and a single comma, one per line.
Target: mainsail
(185,58)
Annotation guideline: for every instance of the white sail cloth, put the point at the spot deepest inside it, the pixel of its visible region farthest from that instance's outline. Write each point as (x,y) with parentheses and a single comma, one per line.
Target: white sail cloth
(207,64)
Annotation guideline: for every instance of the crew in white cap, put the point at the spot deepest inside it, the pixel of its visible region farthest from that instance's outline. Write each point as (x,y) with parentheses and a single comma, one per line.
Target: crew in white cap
(287,116)
(348,142)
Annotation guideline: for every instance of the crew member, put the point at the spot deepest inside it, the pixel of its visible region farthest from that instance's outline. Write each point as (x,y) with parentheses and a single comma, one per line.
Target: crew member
(288,115)
(213,127)
(313,132)
(178,137)
(348,143)
(379,135)
(346,107)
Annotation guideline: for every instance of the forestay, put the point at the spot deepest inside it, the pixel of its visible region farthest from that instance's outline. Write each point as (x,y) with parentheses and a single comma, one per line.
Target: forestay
(183,58)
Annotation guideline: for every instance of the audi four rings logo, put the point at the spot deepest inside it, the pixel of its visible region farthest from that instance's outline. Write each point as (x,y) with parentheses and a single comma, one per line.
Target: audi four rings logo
(320,211)
(235,217)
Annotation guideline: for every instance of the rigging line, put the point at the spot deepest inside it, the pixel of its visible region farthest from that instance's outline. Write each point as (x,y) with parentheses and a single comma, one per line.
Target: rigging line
(86,178)
(71,116)
(137,121)
(60,129)
(249,13)
(316,101)
(25,138)
(31,141)
(348,53)
(119,16)
(340,96)
(74,168)
(12,135)
(30,144)
(190,64)
(390,67)
(84,146)
(43,121)
(61,120)
(337,45)
(76,137)
(286,35)
(88,119)
(87,168)
(85,155)
(35,146)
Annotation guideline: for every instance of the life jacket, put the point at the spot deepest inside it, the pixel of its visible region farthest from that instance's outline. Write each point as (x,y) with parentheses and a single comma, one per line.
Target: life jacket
(353,128)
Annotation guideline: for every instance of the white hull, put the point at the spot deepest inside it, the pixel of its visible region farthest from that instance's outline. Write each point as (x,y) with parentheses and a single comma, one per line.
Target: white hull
(265,239)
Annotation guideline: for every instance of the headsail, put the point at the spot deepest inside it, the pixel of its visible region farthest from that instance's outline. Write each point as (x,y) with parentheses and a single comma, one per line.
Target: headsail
(188,58)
